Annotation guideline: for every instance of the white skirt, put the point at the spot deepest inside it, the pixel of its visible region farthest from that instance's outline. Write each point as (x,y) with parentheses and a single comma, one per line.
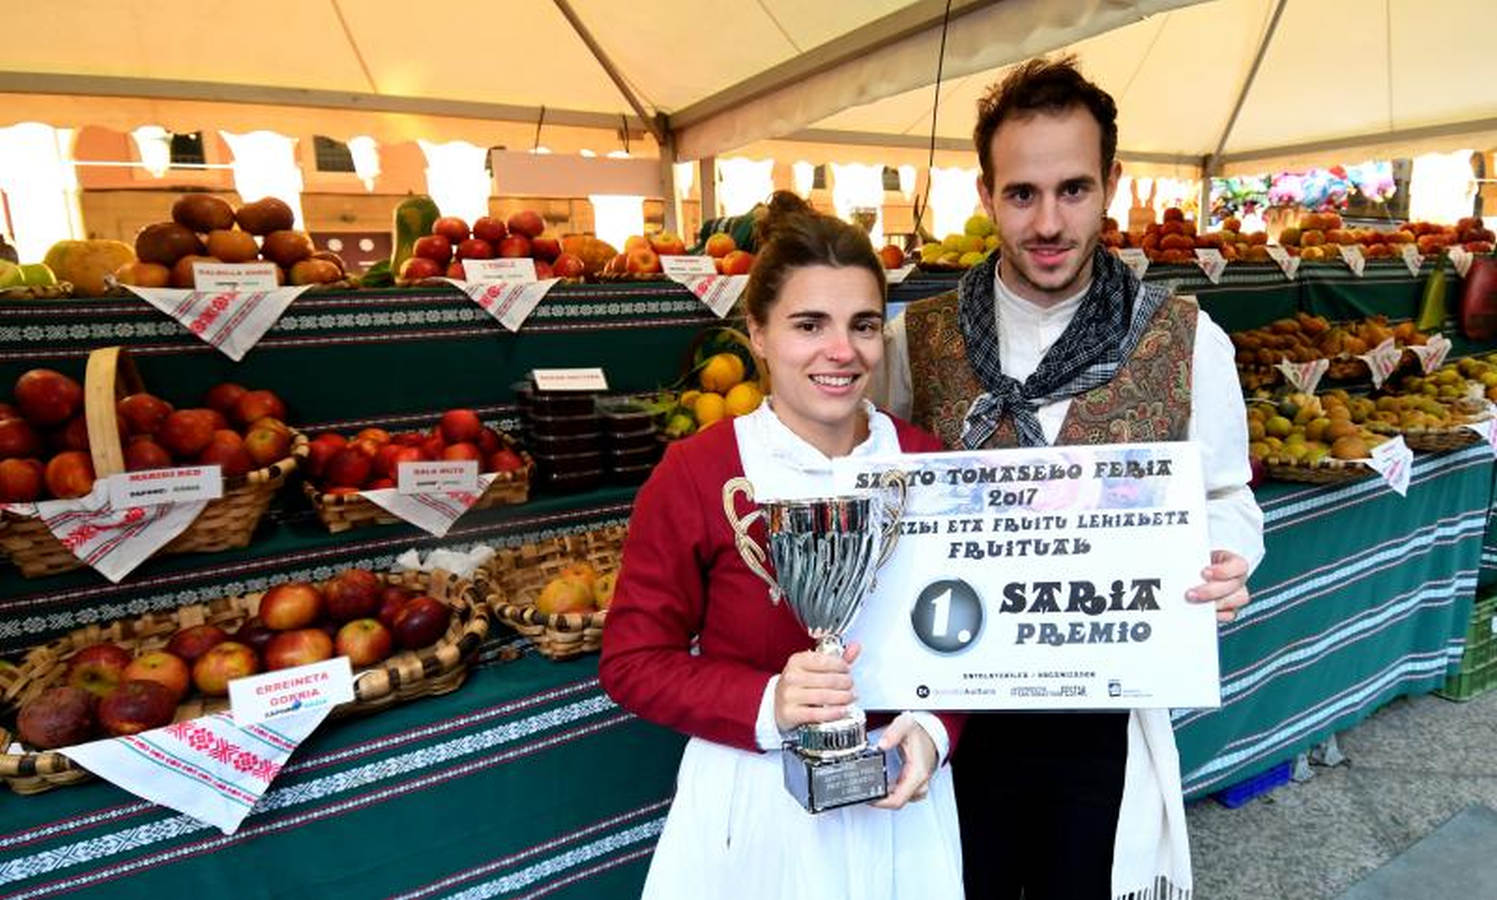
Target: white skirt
(734,831)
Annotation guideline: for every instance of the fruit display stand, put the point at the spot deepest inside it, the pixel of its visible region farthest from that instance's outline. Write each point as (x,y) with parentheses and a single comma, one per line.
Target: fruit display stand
(1363,596)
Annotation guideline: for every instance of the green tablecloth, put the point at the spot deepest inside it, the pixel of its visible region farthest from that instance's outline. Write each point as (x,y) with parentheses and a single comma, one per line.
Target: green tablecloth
(525,781)
(1362,597)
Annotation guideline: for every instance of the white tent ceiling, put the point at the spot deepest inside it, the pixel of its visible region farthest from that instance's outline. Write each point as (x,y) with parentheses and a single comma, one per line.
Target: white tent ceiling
(728,73)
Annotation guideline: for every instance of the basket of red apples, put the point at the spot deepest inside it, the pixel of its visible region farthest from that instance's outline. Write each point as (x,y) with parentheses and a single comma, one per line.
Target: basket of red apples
(60,436)
(339,468)
(406,635)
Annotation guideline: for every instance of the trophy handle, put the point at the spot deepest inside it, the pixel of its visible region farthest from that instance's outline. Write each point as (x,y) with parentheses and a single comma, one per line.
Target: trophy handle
(748,549)
(896,491)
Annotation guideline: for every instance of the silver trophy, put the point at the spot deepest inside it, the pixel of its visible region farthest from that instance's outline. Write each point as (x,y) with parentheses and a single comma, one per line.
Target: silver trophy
(825,553)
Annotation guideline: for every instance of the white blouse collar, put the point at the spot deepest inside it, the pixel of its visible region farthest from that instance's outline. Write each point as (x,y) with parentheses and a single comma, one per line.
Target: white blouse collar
(1014,311)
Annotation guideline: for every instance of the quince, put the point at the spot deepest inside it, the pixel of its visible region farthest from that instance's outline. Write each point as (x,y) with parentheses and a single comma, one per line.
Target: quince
(978,226)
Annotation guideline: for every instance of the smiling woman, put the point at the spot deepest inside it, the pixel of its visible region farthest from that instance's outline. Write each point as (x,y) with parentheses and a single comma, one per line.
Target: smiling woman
(694,643)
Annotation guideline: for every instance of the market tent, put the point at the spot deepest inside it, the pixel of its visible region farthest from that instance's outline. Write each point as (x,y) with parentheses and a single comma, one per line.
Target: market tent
(731,72)
(1315,80)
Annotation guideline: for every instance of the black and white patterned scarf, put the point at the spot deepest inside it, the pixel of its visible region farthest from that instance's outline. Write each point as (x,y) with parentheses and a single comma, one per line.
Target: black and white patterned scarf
(1108,325)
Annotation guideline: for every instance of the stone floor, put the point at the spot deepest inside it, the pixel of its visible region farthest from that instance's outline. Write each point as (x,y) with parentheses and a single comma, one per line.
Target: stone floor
(1411,766)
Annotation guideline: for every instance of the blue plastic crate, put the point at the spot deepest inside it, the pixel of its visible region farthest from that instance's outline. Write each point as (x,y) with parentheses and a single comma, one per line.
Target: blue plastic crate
(1259,784)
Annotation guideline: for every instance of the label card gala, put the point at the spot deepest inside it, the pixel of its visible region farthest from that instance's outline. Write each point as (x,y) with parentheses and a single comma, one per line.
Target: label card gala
(298,689)
(437,477)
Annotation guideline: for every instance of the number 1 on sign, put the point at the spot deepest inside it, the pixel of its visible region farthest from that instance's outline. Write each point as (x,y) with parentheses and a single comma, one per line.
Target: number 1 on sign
(940,619)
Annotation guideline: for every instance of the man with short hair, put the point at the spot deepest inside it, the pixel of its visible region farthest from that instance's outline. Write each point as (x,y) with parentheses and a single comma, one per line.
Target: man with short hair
(1053,340)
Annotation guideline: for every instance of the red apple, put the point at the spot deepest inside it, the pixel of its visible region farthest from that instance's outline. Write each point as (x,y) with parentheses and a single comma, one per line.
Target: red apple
(143,413)
(352,594)
(514,246)
(215,669)
(48,398)
(475,248)
(298,648)
(21,480)
(319,452)
(505,460)
(163,668)
(421,621)
(739,262)
(462,450)
(349,467)
(643,261)
(667,244)
(138,706)
(431,447)
(527,222)
(720,245)
(380,484)
(291,605)
(452,228)
(188,432)
(434,247)
(70,474)
(256,405)
(419,268)
(192,642)
(456,272)
(217,419)
(489,229)
(224,397)
(143,453)
(460,425)
(59,717)
(98,668)
(18,439)
(391,601)
(331,437)
(377,435)
(226,451)
(542,270)
(408,438)
(364,641)
(255,634)
(568,265)
(546,247)
(489,441)
(266,443)
(72,436)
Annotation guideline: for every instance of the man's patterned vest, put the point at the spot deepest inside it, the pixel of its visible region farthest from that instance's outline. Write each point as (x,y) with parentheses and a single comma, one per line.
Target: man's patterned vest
(1148,400)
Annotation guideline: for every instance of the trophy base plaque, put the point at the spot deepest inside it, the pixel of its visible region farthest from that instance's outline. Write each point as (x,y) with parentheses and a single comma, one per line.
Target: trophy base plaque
(821,784)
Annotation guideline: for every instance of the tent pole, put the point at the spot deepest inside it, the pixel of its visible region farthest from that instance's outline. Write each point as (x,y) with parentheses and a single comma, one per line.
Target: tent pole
(672,213)
(1247,85)
(707,176)
(1208,169)
(610,68)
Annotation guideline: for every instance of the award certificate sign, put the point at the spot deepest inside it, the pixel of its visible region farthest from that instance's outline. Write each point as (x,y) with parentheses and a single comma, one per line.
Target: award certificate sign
(1041,578)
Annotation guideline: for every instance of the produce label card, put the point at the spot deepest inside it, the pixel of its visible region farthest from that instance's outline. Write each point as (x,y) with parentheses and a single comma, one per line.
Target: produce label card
(681,268)
(1383,360)
(257,698)
(1488,431)
(1461,258)
(1395,462)
(1040,578)
(1304,376)
(569,379)
(1411,257)
(153,486)
(514,270)
(1212,263)
(437,477)
(234,276)
(1351,254)
(1432,353)
(897,276)
(434,513)
(1135,259)
(1289,265)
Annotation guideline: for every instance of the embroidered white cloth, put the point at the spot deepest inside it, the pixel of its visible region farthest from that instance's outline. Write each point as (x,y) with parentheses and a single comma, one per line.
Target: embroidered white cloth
(209,768)
(230,321)
(432,513)
(511,302)
(115,541)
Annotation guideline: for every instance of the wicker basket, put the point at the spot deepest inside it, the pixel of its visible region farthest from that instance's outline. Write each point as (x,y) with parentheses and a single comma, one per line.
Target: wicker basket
(513,580)
(224,523)
(437,669)
(340,512)
(59,291)
(1325,471)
